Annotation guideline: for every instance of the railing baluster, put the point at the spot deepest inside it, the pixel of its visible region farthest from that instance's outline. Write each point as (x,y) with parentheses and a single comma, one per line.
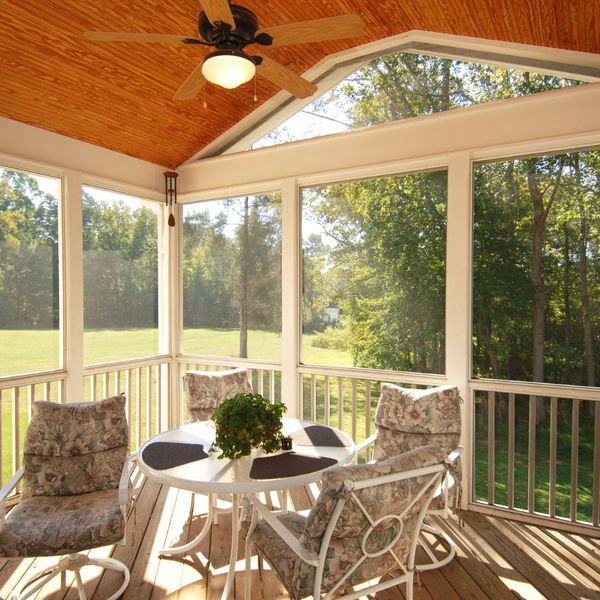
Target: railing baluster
(574,458)
(531,455)
(259,381)
(148,402)
(596,492)
(49,392)
(160,425)
(313,397)
(138,407)
(30,400)
(326,399)
(105,382)
(491,454)
(354,408)
(341,403)
(128,391)
(367,408)
(272,386)
(553,447)
(117,383)
(511,451)
(92,388)
(16,452)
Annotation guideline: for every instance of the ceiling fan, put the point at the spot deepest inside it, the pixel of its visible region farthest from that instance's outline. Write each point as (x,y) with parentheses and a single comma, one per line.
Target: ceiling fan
(228,29)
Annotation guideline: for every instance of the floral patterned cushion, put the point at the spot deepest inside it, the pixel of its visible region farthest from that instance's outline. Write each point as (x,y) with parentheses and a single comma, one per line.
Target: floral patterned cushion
(52,525)
(407,419)
(205,390)
(75,448)
(436,410)
(52,476)
(77,428)
(345,546)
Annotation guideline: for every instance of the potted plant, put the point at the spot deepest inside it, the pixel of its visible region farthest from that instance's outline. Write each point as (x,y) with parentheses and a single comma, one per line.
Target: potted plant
(247,421)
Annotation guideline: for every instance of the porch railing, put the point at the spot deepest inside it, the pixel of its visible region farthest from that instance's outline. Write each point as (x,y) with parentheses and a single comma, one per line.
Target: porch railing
(17,395)
(145,383)
(347,398)
(537,455)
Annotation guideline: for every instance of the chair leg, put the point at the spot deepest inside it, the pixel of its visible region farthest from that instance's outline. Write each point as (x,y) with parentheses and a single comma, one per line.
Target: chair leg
(72,562)
(409,585)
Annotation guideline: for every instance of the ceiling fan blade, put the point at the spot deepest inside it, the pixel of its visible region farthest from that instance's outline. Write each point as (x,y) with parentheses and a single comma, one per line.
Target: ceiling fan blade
(114,36)
(192,85)
(218,10)
(285,78)
(317,30)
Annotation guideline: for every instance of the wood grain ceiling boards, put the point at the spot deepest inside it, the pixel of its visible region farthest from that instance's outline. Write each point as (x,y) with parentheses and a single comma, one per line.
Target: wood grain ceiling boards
(120,96)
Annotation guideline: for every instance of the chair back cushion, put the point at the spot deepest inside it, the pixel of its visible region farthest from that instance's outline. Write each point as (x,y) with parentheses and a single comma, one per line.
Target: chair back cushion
(408,419)
(75,448)
(205,390)
(379,501)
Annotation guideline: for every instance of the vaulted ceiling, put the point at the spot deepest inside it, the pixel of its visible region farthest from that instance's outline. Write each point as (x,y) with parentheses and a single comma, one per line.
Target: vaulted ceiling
(120,96)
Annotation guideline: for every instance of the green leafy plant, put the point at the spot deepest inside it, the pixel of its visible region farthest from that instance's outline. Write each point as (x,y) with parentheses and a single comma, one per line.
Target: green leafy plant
(247,421)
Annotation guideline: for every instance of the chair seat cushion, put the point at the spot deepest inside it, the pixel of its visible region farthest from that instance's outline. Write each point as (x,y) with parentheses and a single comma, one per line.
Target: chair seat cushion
(54,525)
(279,555)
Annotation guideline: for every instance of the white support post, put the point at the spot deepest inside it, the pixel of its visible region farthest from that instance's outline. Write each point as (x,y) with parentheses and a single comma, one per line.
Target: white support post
(71,253)
(458,300)
(172,309)
(165,315)
(290,295)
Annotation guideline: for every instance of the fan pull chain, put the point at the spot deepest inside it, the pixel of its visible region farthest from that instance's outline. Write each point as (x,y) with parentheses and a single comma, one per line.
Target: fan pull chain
(204,104)
(255,96)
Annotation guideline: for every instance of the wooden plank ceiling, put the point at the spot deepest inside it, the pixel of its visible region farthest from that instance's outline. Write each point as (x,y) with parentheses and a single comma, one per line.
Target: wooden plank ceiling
(120,96)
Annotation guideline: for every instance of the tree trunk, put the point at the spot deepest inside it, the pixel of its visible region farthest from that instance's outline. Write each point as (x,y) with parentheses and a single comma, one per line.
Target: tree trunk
(567,298)
(537,278)
(588,338)
(244,247)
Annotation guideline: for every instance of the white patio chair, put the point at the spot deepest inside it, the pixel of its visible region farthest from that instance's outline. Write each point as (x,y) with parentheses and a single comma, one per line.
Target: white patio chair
(364,526)
(75,490)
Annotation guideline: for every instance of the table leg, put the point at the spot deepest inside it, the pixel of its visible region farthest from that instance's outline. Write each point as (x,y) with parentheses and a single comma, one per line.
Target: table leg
(235,530)
(192,545)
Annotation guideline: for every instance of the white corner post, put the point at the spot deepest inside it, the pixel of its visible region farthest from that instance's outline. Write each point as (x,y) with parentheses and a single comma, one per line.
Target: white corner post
(290,296)
(71,253)
(458,300)
(169,314)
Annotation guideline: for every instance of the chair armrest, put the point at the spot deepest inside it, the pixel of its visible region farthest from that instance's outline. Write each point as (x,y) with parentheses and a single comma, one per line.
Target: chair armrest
(7,489)
(124,484)
(283,532)
(454,455)
(366,443)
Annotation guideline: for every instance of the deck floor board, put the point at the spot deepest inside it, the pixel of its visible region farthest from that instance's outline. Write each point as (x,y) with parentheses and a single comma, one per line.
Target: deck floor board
(496,559)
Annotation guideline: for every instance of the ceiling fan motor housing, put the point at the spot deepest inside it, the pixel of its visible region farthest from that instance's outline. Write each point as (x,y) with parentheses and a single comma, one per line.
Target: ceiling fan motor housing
(221,34)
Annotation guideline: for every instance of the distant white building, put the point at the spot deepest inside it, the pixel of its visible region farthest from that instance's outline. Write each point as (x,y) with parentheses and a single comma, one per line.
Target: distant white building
(333,313)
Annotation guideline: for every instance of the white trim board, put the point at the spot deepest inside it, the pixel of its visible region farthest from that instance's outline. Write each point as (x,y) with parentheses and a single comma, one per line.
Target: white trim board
(336,67)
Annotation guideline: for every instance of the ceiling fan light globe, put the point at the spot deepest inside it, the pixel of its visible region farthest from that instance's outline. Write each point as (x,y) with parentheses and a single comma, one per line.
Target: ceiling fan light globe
(228,68)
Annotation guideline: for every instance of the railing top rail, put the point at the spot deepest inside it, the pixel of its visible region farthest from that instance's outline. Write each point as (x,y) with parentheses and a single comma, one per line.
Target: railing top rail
(222,361)
(131,363)
(536,389)
(31,379)
(374,374)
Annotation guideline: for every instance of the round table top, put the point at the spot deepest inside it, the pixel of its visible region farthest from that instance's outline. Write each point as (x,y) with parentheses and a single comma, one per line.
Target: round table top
(215,475)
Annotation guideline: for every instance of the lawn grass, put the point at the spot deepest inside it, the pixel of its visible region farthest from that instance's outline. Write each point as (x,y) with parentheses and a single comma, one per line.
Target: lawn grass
(27,351)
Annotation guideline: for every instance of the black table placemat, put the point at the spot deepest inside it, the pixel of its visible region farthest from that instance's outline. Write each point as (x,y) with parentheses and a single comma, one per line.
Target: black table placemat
(288,464)
(318,435)
(166,455)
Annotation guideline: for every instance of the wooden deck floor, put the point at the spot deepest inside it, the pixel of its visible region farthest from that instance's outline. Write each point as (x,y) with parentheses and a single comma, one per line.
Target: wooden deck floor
(497,559)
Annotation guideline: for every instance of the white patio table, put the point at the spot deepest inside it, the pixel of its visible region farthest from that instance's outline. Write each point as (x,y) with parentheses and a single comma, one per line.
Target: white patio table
(212,475)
